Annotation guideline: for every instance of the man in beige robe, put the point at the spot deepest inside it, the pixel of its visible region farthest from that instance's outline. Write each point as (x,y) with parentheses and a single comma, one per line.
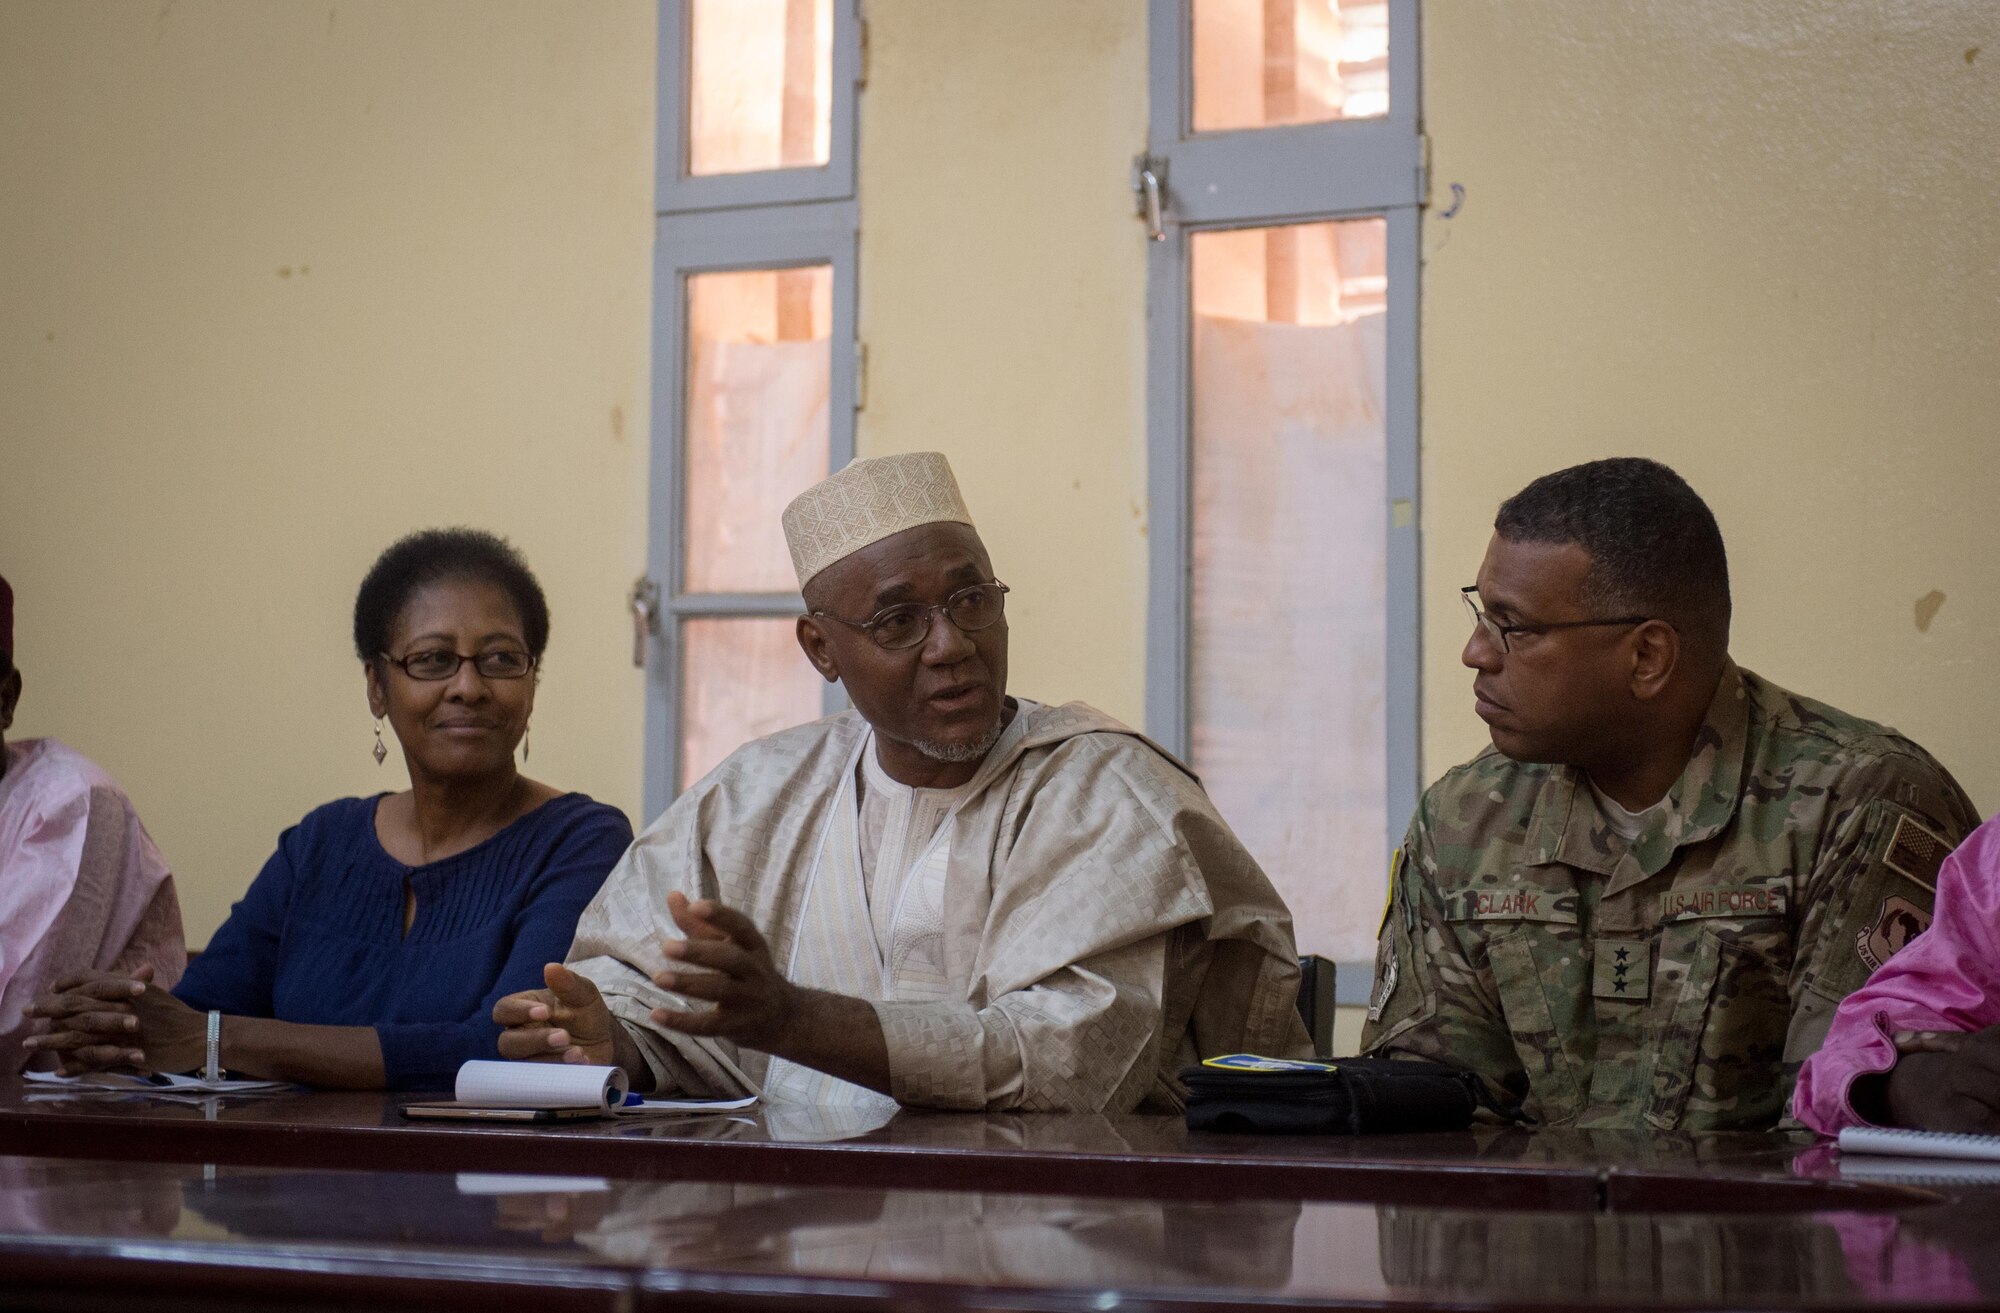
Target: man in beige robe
(945,897)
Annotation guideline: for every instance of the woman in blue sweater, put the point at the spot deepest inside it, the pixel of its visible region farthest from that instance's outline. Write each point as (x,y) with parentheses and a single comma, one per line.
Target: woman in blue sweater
(370,951)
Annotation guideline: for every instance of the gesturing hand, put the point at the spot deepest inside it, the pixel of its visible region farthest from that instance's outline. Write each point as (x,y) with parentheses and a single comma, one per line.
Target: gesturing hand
(567,1022)
(99,1020)
(1947,1082)
(725,962)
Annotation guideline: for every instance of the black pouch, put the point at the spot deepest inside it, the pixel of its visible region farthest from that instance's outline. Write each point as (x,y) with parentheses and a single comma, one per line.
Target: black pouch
(1344,1096)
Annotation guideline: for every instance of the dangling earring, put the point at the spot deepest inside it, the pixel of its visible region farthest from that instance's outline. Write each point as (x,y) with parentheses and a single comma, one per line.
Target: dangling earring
(381,752)
(526,730)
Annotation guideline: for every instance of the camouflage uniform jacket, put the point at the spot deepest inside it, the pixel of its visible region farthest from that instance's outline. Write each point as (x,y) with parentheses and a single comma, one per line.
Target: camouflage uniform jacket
(1678,981)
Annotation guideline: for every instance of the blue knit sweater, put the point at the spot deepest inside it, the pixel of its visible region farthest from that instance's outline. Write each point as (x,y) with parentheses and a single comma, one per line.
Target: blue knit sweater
(319,936)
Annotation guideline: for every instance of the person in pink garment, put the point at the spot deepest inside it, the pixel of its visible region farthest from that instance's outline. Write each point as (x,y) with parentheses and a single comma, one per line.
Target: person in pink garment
(1918,1045)
(81,884)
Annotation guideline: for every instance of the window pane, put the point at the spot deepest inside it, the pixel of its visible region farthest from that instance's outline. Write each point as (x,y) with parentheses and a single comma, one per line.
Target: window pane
(1264,63)
(759,359)
(740,680)
(1290,563)
(760,92)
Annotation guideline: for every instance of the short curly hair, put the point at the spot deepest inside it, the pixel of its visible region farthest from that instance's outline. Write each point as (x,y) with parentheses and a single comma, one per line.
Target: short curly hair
(1654,545)
(432,556)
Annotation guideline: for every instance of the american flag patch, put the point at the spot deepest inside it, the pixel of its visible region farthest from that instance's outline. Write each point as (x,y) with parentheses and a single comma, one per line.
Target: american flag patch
(1915,852)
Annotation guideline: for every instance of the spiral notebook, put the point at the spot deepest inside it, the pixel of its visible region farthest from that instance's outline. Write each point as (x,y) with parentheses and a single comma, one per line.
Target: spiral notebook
(1919,1144)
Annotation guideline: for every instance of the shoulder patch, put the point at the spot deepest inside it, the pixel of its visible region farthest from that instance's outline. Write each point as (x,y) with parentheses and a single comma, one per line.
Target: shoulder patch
(1900,921)
(1915,852)
(1385,988)
(1389,901)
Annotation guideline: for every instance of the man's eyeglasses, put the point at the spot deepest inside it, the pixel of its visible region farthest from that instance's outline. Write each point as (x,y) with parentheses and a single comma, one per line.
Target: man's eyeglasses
(909,623)
(1501,634)
(433,664)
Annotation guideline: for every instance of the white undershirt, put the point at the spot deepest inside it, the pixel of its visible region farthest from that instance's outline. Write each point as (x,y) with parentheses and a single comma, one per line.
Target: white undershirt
(897,825)
(1629,825)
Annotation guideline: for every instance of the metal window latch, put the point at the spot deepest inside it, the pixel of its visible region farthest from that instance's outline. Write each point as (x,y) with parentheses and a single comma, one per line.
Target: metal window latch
(1149,184)
(645,604)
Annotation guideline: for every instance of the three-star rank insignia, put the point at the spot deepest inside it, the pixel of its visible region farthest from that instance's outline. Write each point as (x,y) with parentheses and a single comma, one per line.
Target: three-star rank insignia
(1624,970)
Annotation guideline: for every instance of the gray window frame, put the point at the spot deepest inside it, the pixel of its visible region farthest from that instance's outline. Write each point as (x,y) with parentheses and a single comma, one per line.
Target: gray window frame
(677,191)
(1255,178)
(783,218)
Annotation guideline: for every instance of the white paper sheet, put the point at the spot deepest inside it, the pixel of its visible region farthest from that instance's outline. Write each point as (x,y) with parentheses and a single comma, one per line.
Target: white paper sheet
(488,1084)
(158,1083)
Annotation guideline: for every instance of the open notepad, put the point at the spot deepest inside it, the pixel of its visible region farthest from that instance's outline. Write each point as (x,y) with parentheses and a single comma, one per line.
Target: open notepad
(559,1085)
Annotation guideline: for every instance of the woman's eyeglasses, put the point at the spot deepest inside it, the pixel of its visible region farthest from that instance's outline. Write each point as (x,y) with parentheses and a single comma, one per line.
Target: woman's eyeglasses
(433,664)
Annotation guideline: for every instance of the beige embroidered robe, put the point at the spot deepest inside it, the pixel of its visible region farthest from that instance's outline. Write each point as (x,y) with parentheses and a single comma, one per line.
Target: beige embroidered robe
(1101,925)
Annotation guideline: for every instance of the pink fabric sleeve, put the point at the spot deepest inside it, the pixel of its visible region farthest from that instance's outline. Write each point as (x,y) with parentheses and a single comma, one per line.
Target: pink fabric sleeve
(115,906)
(41,839)
(1947,978)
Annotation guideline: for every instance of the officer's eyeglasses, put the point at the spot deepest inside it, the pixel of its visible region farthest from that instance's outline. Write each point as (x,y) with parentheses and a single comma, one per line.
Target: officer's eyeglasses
(1502,634)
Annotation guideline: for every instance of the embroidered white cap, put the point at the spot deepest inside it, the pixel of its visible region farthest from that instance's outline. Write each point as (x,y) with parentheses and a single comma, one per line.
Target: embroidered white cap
(867,502)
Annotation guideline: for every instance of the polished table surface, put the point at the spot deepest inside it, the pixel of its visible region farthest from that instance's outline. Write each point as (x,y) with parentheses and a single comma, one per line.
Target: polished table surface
(1126,1156)
(99,1208)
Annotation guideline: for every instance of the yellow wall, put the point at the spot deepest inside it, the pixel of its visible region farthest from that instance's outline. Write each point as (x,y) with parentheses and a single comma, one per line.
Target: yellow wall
(1755,241)
(279,282)
(1750,239)
(1003,294)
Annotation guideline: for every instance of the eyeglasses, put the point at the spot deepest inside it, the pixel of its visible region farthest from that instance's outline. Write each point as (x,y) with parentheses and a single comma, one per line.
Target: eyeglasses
(1501,634)
(433,664)
(909,623)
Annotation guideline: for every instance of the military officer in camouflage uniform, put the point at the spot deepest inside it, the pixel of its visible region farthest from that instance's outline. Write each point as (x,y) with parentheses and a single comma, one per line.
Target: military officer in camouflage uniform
(1640,907)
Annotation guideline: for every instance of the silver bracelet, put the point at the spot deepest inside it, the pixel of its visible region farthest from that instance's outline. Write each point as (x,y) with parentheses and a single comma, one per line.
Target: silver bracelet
(213,1070)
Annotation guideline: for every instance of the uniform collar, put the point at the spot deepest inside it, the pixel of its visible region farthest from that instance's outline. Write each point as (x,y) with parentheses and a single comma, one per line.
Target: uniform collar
(1567,826)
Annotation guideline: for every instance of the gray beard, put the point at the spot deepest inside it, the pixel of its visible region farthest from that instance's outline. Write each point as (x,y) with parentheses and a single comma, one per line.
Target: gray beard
(960,752)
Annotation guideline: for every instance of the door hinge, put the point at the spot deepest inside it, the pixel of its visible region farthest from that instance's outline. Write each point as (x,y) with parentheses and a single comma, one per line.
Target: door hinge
(860,374)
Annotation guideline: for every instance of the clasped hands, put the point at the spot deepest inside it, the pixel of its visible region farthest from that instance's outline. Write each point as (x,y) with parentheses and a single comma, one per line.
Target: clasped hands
(723,960)
(99,1020)
(1947,1081)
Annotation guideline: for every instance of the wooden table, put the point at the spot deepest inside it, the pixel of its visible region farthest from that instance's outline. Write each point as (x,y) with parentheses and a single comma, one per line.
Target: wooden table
(349,1207)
